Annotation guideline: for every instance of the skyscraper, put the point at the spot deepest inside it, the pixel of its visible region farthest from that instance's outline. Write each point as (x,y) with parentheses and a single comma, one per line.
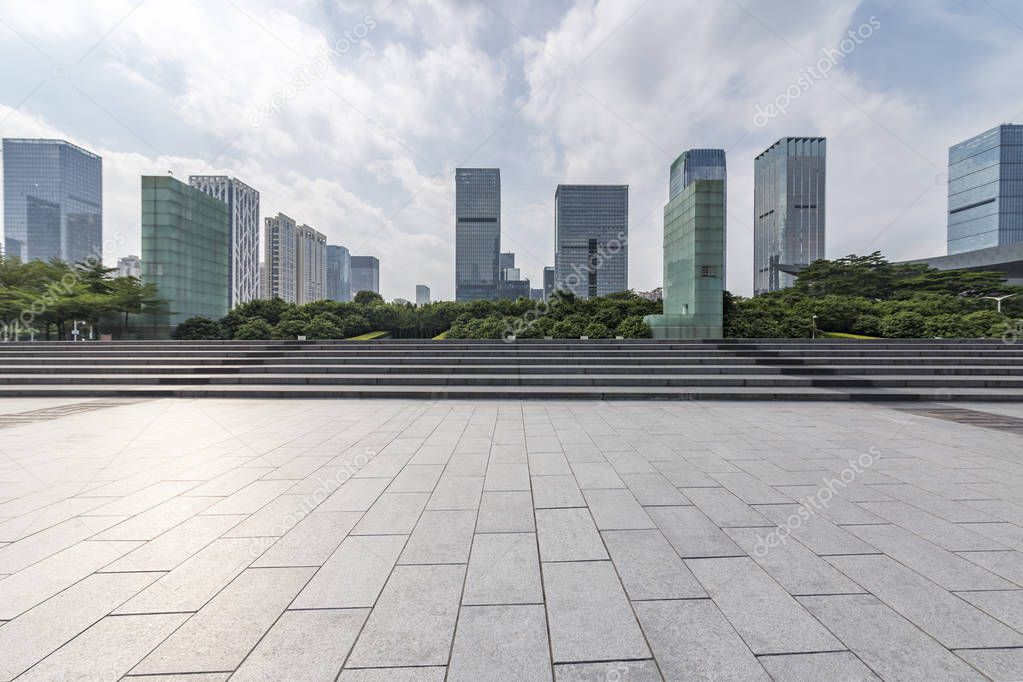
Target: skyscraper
(422,294)
(53,201)
(548,282)
(281,259)
(591,239)
(985,190)
(310,265)
(693,165)
(365,274)
(243,241)
(184,249)
(788,209)
(129,266)
(694,258)
(477,233)
(339,273)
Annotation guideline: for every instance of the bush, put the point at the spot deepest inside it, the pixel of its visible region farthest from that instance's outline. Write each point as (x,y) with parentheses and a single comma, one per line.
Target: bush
(323,327)
(254,330)
(947,326)
(596,330)
(633,327)
(290,329)
(354,325)
(566,329)
(985,323)
(368,298)
(200,329)
(867,325)
(903,325)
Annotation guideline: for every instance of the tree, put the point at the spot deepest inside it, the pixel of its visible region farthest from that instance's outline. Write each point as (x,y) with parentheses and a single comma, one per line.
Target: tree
(596,330)
(368,298)
(200,329)
(256,329)
(323,327)
(633,327)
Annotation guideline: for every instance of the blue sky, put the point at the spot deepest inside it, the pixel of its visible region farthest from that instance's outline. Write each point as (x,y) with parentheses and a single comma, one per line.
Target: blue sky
(566,91)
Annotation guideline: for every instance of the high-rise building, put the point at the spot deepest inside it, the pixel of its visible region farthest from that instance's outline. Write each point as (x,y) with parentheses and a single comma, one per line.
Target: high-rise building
(695,164)
(591,239)
(262,281)
(184,249)
(536,294)
(243,241)
(477,233)
(505,261)
(985,190)
(694,263)
(365,274)
(548,282)
(422,294)
(53,201)
(281,259)
(129,266)
(339,273)
(310,265)
(788,209)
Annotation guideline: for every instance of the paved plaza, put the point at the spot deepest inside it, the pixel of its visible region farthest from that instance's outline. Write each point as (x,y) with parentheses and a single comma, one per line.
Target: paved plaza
(406,540)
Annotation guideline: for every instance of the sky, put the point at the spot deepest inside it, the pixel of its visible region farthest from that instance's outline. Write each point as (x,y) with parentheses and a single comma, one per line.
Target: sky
(352,116)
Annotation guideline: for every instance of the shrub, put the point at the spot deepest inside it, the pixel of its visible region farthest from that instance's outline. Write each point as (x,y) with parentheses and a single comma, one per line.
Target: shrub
(200,329)
(256,329)
(633,327)
(323,327)
(596,330)
(903,325)
(290,329)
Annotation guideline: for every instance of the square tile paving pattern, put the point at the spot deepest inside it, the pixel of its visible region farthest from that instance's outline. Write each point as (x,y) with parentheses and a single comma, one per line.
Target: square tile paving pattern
(382,540)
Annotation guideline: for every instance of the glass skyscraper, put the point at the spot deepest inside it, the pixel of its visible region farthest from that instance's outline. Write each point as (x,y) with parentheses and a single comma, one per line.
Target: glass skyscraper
(365,274)
(591,239)
(184,248)
(985,190)
(53,201)
(695,164)
(339,273)
(477,233)
(243,245)
(788,209)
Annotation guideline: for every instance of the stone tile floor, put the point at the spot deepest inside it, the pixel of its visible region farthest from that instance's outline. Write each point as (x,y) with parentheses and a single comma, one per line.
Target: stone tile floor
(405,540)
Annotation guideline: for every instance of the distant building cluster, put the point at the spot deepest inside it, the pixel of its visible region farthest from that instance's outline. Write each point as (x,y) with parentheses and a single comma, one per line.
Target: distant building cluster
(200,242)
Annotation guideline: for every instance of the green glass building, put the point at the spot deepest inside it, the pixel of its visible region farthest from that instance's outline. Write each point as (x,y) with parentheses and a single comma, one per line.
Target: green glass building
(184,249)
(694,263)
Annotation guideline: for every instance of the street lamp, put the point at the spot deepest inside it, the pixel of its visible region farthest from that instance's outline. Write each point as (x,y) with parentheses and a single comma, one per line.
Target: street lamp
(814,320)
(999,299)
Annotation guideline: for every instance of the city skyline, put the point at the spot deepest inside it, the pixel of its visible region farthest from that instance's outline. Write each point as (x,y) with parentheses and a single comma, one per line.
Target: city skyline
(542,109)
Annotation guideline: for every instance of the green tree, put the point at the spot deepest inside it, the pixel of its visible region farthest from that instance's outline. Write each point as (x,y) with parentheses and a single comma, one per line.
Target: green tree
(633,327)
(368,298)
(256,329)
(200,329)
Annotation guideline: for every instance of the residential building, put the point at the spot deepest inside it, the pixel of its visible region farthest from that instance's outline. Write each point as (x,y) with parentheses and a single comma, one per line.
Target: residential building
(262,281)
(243,241)
(365,274)
(477,233)
(281,260)
(53,201)
(591,237)
(422,294)
(129,266)
(985,190)
(788,210)
(310,265)
(184,250)
(694,263)
(339,273)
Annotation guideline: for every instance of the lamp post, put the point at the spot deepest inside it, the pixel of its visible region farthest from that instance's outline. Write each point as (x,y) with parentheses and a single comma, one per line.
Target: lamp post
(814,321)
(999,299)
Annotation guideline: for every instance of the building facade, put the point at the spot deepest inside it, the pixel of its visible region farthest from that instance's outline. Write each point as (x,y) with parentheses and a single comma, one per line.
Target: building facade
(591,239)
(339,273)
(985,190)
(422,294)
(548,282)
(280,243)
(310,265)
(243,243)
(477,233)
(184,249)
(788,209)
(53,201)
(129,266)
(694,263)
(365,274)
(696,164)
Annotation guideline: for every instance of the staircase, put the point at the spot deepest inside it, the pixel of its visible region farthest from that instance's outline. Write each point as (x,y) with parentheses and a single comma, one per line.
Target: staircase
(770,369)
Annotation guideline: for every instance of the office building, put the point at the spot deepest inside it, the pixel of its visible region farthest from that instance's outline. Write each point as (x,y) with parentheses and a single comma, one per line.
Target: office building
(591,237)
(536,295)
(422,294)
(548,282)
(243,241)
(985,190)
(505,261)
(129,266)
(694,263)
(477,233)
(184,250)
(365,274)
(53,201)
(310,265)
(262,281)
(696,164)
(280,243)
(339,273)
(788,210)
